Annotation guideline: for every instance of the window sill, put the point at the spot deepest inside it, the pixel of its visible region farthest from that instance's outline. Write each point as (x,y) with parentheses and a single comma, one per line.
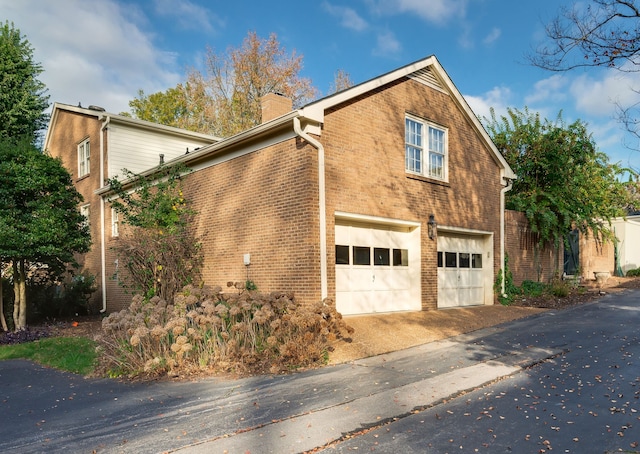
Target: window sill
(428,180)
(83,177)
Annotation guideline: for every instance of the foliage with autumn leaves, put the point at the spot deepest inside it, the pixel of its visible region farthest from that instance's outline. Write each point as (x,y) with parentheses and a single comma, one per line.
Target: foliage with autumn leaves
(205,329)
(157,247)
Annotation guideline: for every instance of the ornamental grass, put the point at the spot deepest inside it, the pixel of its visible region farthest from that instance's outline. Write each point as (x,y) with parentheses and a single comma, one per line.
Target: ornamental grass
(206,329)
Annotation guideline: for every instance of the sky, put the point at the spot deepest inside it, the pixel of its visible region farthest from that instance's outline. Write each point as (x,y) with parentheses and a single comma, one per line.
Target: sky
(102,52)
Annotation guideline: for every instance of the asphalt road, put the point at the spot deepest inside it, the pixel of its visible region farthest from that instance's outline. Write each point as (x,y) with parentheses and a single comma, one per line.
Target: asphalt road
(586,400)
(566,381)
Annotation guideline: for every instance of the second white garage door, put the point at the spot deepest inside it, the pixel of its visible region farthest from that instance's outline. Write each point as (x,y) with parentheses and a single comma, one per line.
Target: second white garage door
(464,270)
(377,268)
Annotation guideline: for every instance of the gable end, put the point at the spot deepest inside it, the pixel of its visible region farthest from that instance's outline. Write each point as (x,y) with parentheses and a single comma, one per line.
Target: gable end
(427,77)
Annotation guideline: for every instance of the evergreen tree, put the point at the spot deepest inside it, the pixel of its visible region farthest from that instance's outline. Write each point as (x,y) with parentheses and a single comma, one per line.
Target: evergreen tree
(23,98)
(39,218)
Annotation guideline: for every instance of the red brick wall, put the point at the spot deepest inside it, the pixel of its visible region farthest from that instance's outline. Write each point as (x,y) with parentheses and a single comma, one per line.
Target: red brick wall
(70,130)
(595,255)
(264,204)
(519,246)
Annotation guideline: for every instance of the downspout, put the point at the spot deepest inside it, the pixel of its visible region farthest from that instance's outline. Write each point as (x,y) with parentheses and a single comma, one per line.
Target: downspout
(503,265)
(103,249)
(322,201)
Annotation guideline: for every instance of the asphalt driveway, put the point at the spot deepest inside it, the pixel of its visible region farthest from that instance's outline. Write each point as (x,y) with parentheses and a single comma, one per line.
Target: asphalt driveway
(43,410)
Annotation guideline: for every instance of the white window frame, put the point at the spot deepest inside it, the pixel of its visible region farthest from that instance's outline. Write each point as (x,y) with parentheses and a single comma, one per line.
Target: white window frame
(421,149)
(115,223)
(85,210)
(84,158)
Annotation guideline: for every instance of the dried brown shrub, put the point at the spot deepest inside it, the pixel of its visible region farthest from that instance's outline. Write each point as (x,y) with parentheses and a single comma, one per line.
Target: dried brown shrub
(207,329)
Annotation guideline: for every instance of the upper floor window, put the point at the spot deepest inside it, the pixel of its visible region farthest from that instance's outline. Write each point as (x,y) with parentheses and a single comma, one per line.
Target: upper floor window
(84,153)
(425,149)
(115,223)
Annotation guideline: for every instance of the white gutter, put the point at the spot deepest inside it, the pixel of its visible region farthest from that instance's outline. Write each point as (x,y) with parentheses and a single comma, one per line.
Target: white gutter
(103,249)
(322,200)
(503,266)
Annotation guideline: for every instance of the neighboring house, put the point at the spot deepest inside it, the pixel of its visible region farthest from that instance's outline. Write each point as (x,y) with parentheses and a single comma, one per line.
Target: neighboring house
(94,146)
(387,196)
(627,232)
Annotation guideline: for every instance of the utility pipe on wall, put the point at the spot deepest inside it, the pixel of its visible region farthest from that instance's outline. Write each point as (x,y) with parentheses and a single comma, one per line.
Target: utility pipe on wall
(103,251)
(322,201)
(503,265)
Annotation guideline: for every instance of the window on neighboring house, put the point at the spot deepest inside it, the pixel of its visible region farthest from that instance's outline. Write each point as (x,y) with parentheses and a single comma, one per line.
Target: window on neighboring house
(86,212)
(84,153)
(115,223)
(425,149)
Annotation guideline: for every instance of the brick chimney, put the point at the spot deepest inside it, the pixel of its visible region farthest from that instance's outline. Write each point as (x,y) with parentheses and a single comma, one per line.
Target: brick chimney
(275,105)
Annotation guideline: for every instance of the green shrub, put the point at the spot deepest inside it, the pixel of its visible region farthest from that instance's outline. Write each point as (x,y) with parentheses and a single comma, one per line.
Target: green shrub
(633,273)
(559,288)
(533,288)
(204,328)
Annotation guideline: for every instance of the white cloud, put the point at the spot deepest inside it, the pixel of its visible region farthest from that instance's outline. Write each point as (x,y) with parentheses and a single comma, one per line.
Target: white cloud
(189,15)
(435,11)
(553,89)
(497,98)
(599,96)
(92,52)
(349,18)
(387,45)
(493,36)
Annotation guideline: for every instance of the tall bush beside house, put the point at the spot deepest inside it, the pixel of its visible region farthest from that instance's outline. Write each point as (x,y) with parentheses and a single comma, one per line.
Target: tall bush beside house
(159,249)
(204,328)
(40,224)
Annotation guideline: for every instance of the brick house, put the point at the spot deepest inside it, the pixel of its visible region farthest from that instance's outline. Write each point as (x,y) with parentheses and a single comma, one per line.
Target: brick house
(94,146)
(387,196)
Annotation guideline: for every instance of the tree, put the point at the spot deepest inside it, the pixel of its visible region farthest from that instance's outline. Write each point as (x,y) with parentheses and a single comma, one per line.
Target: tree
(605,33)
(159,250)
(23,98)
(182,106)
(341,81)
(226,98)
(39,217)
(563,182)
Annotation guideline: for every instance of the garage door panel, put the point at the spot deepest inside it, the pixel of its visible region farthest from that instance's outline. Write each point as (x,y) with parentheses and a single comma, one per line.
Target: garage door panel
(459,283)
(383,285)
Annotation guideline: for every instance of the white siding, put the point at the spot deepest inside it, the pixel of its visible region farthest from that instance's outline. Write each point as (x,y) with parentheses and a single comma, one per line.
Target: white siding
(138,150)
(628,234)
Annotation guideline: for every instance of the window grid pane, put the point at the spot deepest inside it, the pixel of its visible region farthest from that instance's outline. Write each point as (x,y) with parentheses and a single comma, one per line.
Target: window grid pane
(425,155)
(381,256)
(342,255)
(451,259)
(413,146)
(400,257)
(361,255)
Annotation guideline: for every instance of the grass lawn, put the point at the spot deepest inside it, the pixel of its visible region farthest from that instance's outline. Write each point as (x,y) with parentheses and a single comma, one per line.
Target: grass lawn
(71,354)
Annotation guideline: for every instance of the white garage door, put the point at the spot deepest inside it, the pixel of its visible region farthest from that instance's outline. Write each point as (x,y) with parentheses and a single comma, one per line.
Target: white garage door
(377,269)
(461,270)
